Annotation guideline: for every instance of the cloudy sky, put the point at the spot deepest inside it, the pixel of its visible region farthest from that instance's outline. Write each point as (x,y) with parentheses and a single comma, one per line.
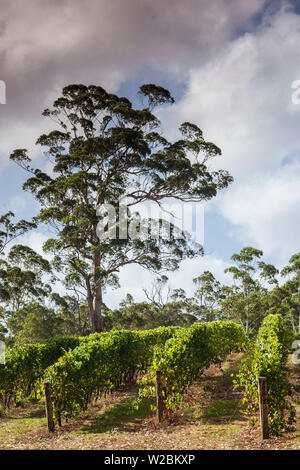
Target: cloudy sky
(230,65)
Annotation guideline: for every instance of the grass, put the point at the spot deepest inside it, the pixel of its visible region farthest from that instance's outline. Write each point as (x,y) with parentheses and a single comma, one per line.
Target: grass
(123,415)
(216,411)
(221,408)
(17,423)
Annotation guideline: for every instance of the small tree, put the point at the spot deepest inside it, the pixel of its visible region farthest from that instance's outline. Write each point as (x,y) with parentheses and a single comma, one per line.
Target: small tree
(245,300)
(35,323)
(208,296)
(291,291)
(145,315)
(21,281)
(105,151)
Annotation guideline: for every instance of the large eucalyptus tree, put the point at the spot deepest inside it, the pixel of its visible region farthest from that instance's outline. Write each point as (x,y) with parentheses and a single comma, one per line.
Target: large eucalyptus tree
(105,150)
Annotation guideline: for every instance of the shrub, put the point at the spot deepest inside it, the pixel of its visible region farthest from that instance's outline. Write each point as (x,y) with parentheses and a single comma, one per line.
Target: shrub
(25,365)
(100,363)
(182,358)
(268,359)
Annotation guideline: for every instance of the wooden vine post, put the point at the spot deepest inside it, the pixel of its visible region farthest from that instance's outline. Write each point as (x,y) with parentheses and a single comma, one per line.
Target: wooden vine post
(263,406)
(159,397)
(58,418)
(48,406)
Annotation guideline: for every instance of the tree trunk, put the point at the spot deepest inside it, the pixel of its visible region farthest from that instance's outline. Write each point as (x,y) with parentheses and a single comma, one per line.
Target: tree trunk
(90,306)
(97,309)
(96,304)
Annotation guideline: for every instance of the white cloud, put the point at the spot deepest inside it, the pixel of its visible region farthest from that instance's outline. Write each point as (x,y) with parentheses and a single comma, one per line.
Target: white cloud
(266,212)
(47,45)
(17,205)
(34,240)
(242,100)
(134,278)
(242,97)
(193,268)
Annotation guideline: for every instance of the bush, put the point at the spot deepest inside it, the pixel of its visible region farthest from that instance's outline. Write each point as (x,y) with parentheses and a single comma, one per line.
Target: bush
(25,365)
(100,363)
(268,359)
(182,358)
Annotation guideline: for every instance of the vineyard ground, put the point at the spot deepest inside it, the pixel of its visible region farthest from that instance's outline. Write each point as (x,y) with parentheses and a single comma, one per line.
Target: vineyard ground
(211,421)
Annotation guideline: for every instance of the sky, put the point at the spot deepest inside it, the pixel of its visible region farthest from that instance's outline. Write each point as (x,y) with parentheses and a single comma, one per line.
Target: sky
(230,65)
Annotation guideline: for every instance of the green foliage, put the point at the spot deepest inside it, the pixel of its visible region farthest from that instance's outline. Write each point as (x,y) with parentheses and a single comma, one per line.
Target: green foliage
(101,362)
(268,359)
(9,230)
(145,315)
(34,323)
(245,300)
(25,365)
(22,274)
(290,293)
(182,358)
(207,297)
(81,367)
